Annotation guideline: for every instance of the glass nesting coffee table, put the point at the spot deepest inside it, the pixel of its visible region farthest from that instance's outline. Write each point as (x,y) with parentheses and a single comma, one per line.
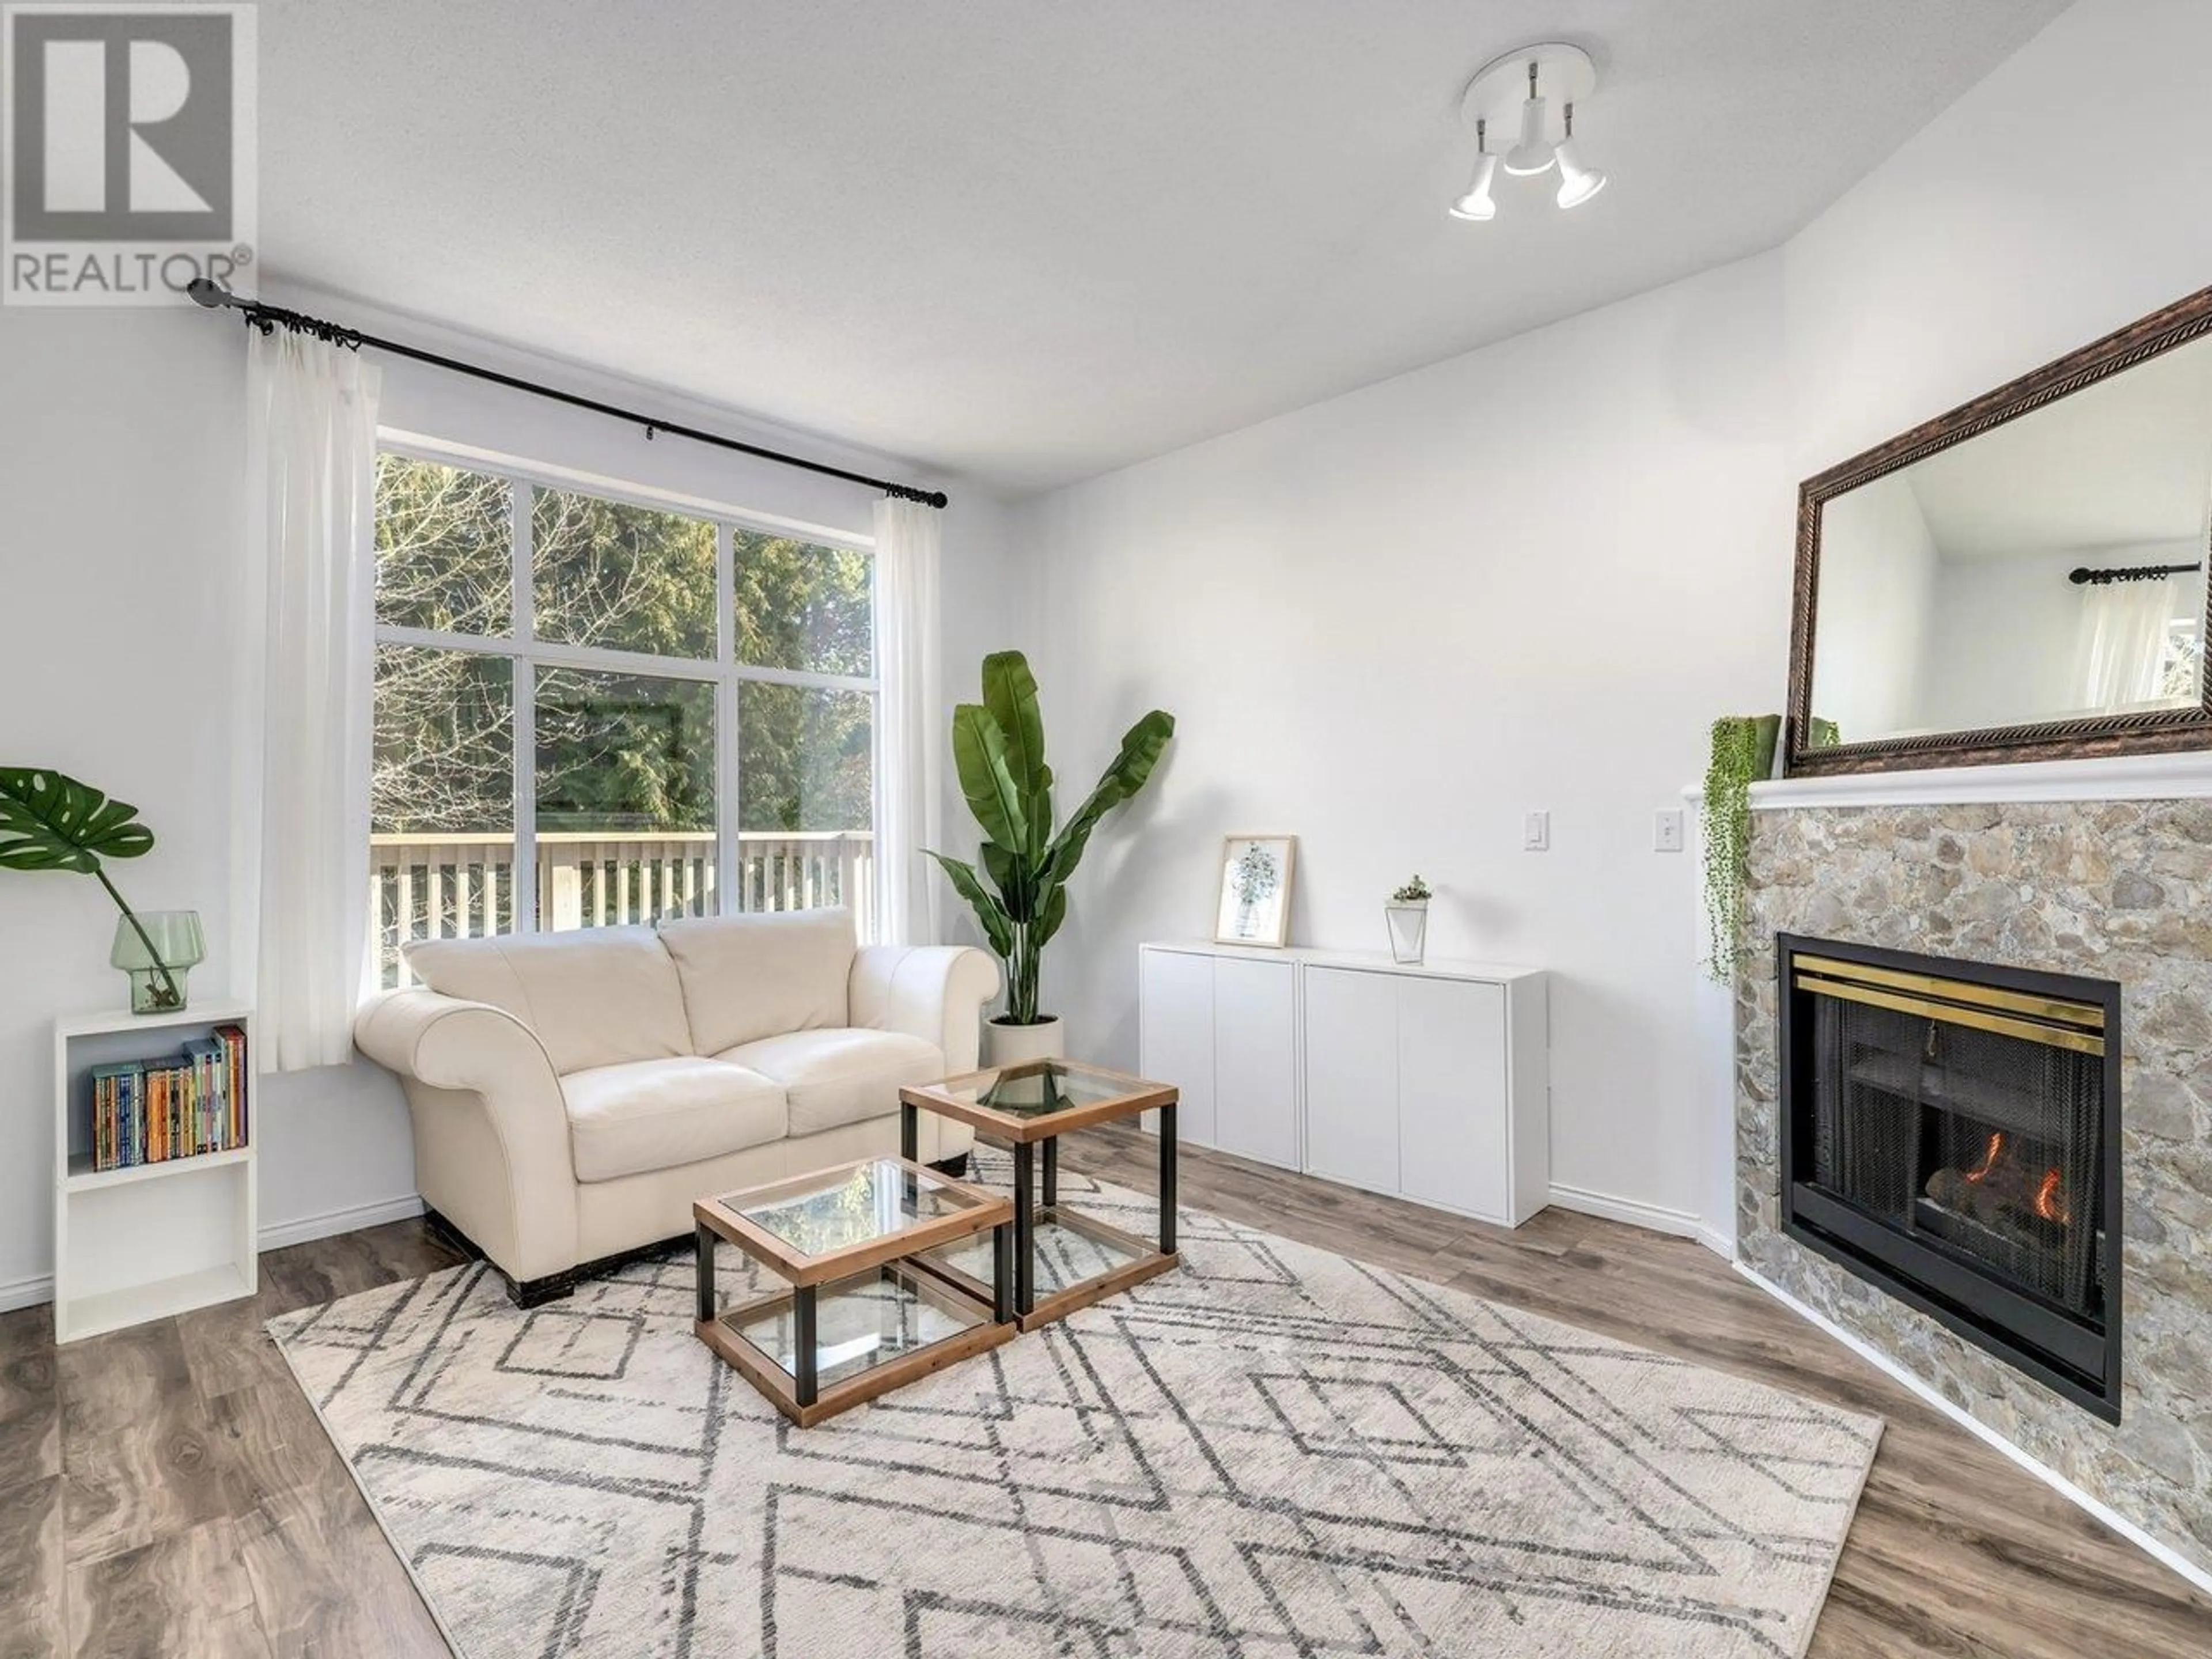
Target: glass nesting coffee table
(863,1312)
(1029,1107)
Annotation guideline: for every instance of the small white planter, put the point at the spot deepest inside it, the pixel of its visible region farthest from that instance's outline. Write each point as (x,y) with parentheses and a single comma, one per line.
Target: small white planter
(1006,1044)
(1409,930)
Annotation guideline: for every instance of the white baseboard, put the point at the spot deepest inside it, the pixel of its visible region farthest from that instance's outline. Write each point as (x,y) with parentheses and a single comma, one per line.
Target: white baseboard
(1657,1217)
(1680,1224)
(2164,1554)
(352,1220)
(30,1293)
(26,1292)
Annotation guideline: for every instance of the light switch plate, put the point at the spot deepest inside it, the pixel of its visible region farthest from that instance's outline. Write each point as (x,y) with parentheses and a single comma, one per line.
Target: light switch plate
(1536,832)
(1667,830)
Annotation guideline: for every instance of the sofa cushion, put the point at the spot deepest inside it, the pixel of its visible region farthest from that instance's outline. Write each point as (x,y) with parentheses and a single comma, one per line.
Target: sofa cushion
(659,1114)
(839,1075)
(760,975)
(595,997)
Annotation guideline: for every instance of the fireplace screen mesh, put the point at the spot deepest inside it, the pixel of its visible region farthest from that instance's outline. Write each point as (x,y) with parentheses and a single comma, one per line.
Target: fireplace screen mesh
(1987,1141)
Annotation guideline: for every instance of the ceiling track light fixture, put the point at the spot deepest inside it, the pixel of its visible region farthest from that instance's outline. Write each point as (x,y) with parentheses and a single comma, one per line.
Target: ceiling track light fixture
(1534,153)
(1577,183)
(1517,91)
(1475,202)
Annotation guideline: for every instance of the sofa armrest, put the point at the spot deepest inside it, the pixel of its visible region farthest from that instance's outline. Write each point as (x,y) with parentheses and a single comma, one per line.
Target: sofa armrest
(492,1150)
(935,992)
(453,1044)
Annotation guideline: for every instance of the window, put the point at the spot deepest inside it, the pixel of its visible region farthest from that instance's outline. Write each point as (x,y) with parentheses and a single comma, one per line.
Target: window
(591,712)
(2181,662)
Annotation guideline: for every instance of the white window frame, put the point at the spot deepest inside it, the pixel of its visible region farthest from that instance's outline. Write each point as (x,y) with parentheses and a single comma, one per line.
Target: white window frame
(521,648)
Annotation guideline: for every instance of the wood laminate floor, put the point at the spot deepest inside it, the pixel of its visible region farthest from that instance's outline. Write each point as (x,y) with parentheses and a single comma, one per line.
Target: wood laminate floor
(167,1490)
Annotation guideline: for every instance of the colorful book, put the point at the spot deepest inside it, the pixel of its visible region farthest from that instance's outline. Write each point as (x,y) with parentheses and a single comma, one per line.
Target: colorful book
(205,1057)
(233,1039)
(110,1094)
(152,1111)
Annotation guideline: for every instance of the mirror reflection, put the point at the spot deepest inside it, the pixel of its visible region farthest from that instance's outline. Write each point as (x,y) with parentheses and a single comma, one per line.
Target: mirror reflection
(2050,569)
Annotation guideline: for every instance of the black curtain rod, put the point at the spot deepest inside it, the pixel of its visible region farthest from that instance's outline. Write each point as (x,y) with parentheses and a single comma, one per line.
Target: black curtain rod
(269,318)
(2138,573)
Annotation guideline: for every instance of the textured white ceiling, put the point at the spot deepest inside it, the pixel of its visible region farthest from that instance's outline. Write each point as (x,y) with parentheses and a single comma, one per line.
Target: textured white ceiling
(1030,240)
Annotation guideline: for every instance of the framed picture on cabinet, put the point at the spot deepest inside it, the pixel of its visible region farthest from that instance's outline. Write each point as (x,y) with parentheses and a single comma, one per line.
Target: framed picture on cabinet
(1255,890)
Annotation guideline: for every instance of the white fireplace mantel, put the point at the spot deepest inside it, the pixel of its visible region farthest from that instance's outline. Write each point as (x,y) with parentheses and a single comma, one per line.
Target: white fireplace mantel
(2124,777)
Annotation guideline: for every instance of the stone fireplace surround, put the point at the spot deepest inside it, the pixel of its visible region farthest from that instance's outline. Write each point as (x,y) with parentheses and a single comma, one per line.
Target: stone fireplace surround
(1942,863)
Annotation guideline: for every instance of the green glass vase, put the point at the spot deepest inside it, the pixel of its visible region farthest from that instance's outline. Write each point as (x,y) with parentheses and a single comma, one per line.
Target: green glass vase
(178,945)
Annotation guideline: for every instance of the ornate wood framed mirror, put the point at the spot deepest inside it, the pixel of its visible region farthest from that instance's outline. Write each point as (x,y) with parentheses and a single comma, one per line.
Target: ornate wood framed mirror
(2022,579)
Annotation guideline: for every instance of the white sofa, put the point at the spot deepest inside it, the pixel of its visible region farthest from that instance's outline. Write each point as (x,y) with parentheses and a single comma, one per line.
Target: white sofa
(573,1093)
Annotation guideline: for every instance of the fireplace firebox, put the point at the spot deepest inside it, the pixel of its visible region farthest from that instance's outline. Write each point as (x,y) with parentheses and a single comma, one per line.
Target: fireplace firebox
(1950,1132)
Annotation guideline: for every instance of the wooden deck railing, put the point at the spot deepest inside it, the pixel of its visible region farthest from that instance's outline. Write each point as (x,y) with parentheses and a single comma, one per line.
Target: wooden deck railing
(463,886)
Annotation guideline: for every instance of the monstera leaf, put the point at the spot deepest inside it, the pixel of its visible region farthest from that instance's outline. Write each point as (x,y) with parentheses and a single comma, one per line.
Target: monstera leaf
(49,821)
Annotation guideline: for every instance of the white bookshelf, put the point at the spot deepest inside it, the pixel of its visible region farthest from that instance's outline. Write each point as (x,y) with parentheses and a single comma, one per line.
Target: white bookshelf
(155,1239)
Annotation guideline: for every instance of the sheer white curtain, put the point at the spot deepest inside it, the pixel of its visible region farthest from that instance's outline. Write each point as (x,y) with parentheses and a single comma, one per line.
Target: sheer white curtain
(299,874)
(908,812)
(2122,641)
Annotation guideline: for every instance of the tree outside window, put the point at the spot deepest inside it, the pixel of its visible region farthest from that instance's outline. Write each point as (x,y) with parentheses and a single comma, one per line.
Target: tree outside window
(630,655)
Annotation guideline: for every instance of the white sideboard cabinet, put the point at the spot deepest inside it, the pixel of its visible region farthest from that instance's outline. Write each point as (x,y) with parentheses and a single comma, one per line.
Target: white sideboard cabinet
(1430,1082)
(1223,1027)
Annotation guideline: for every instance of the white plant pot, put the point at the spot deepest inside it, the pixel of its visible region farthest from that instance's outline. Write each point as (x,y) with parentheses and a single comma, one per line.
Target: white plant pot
(1409,930)
(1015,1045)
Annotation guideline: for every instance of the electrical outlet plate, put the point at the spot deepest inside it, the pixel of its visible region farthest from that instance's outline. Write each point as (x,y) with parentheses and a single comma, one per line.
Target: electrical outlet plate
(1667,830)
(1536,832)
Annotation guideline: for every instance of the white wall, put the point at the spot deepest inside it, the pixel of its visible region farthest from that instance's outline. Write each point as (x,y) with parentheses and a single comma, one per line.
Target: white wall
(2005,635)
(1992,241)
(1981,249)
(1393,622)
(122,461)
(1531,576)
(2001,648)
(1878,586)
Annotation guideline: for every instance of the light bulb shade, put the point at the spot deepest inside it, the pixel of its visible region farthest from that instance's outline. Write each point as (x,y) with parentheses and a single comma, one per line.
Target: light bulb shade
(1532,153)
(1477,203)
(1577,183)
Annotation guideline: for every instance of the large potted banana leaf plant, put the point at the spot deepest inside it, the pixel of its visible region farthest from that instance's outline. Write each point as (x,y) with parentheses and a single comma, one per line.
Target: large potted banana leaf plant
(1020,894)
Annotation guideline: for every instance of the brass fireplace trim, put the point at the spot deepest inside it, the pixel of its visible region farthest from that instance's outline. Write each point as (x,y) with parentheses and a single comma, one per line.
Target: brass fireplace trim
(2084,1014)
(2055,1024)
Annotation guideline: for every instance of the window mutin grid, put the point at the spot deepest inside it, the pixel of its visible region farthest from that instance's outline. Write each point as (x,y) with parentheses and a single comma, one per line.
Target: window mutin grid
(840,605)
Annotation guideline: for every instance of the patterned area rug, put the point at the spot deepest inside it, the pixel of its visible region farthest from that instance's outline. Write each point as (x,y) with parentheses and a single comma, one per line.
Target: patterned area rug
(1273,1451)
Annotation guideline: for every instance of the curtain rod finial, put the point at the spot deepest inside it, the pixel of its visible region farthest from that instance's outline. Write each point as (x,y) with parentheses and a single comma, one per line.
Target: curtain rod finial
(206,291)
(936,498)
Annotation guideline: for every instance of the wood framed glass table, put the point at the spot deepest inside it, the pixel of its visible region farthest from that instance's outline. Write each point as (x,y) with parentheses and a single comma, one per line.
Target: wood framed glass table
(862,1313)
(1029,1107)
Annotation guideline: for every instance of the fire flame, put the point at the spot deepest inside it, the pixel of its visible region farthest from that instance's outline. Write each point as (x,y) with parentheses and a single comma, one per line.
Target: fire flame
(2051,1199)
